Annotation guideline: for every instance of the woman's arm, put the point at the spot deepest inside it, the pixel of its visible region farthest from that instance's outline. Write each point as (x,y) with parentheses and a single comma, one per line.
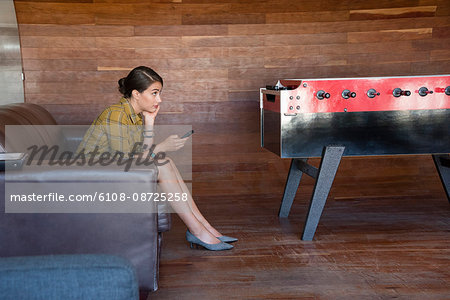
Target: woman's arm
(172,143)
(148,133)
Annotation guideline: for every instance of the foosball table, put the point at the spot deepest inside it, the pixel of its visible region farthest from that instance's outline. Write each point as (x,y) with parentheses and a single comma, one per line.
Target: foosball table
(332,118)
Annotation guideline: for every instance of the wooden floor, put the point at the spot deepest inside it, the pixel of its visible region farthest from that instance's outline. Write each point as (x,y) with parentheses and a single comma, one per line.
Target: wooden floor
(384,233)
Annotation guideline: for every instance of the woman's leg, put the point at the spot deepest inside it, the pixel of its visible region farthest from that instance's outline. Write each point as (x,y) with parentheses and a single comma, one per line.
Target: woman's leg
(191,201)
(169,183)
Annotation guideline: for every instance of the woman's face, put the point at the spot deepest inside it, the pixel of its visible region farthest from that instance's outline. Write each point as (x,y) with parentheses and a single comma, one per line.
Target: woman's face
(150,99)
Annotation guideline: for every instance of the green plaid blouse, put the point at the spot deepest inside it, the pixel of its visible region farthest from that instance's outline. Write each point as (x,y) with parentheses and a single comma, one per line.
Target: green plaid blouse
(116,129)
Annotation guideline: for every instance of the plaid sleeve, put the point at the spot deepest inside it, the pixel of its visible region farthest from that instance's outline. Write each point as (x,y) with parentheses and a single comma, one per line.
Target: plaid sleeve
(122,136)
(94,138)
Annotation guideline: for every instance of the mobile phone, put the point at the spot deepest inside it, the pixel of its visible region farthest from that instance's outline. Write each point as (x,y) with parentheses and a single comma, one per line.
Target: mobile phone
(188,134)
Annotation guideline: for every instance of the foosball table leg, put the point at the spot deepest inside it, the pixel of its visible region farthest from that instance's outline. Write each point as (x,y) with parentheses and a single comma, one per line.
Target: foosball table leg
(442,163)
(331,158)
(290,189)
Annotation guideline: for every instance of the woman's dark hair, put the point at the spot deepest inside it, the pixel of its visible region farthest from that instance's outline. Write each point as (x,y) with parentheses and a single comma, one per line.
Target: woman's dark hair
(140,78)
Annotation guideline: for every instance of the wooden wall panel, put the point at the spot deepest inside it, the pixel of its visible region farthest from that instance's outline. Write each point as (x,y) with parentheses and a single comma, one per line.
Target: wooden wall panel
(215,55)
(222,51)
(392,13)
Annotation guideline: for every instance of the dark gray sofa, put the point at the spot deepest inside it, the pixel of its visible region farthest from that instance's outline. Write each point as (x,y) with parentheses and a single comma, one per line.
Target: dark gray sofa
(135,236)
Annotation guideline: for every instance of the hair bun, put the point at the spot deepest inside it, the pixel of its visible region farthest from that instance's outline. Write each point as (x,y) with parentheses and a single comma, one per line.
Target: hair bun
(139,79)
(122,88)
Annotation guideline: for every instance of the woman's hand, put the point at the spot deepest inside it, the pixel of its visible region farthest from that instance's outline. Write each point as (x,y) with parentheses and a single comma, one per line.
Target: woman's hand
(172,143)
(149,117)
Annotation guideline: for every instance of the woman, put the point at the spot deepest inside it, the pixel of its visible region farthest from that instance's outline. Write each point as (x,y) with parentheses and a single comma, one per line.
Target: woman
(113,131)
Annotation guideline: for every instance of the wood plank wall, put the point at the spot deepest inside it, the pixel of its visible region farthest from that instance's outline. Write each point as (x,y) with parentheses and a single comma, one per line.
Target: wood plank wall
(215,55)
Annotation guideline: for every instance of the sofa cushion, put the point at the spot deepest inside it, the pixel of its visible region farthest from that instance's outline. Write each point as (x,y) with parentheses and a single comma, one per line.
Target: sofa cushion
(67,277)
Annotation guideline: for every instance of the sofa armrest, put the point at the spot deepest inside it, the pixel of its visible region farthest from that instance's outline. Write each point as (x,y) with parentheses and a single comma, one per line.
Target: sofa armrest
(133,236)
(164,217)
(147,175)
(56,173)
